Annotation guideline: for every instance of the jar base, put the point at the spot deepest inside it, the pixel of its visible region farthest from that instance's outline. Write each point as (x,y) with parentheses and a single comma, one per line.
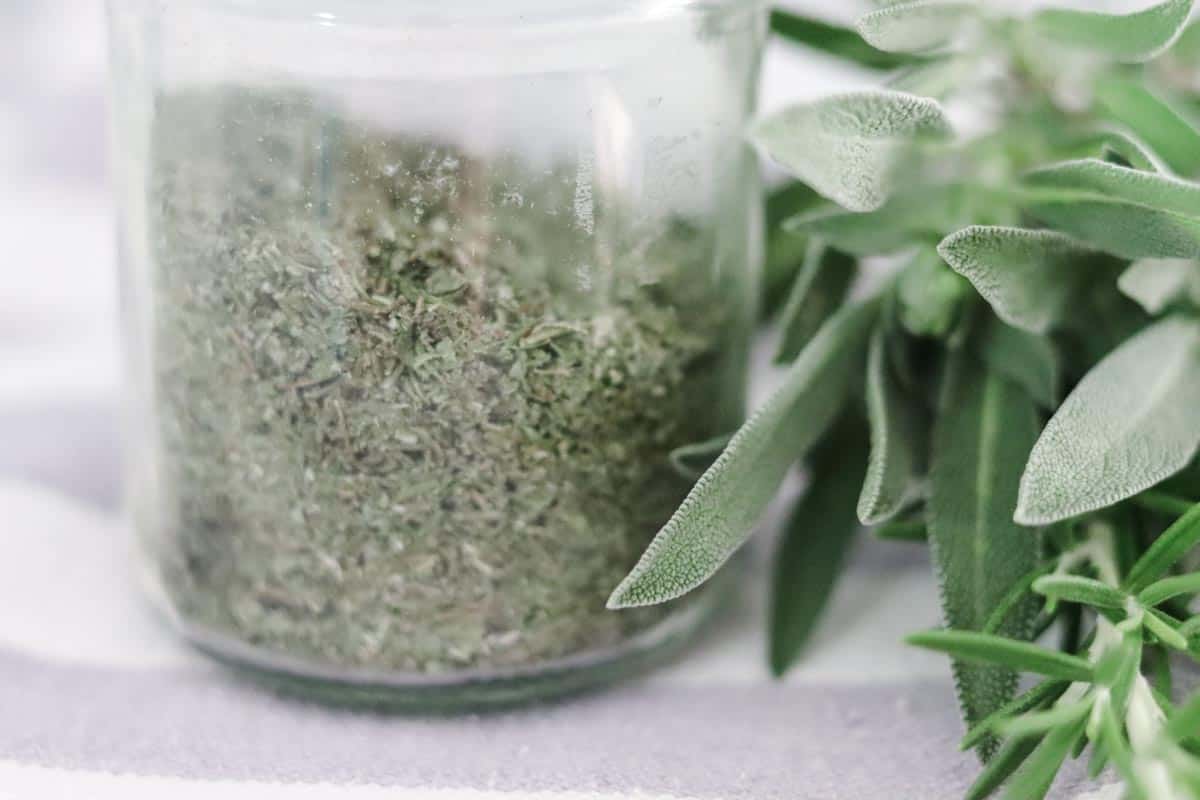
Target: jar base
(458,692)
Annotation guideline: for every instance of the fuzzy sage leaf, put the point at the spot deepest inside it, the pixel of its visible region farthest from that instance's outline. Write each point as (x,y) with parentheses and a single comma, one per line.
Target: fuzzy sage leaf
(816,540)
(1130,424)
(1027,276)
(916,26)
(1026,358)
(1123,37)
(1156,284)
(986,426)
(896,436)
(720,512)
(819,290)
(1155,119)
(850,147)
(1125,212)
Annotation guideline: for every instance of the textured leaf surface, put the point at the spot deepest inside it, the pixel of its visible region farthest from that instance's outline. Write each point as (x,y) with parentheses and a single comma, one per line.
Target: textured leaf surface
(849,147)
(1027,276)
(986,426)
(1124,37)
(819,290)
(1157,284)
(1154,119)
(816,541)
(721,511)
(693,460)
(1123,211)
(929,296)
(1024,358)
(1132,151)
(1131,423)
(833,39)
(915,27)
(895,441)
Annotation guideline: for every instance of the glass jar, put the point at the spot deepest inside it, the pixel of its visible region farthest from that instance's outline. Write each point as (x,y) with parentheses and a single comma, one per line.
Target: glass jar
(420,297)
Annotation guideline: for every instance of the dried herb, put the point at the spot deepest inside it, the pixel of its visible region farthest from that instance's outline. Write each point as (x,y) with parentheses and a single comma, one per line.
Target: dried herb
(414,412)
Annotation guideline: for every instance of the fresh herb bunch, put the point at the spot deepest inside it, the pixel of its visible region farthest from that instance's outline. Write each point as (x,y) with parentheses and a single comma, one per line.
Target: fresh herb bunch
(1056,248)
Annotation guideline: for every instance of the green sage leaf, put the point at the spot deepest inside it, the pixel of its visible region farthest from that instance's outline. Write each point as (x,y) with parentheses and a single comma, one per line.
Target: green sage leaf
(930,297)
(1155,119)
(1157,284)
(833,39)
(1178,540)
(1131,151)
(982,648)
(1076,589)
(1027,276)
(895,441)
(1129,424)
(1027,359)
(984,430)
(1125,212)
(908,217)
(722,509)
(917,26)
(693,460)
(819,291)
(816,541)
(1123,37)
(851,147)
(785,249)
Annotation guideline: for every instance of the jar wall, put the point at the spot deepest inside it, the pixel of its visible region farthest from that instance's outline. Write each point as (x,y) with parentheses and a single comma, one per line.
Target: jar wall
(417,305)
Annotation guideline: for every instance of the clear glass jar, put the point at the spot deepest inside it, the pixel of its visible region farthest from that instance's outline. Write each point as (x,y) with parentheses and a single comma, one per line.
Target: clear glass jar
(419,298)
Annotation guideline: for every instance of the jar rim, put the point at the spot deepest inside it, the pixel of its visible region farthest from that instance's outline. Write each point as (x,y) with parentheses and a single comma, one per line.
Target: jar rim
(518,14)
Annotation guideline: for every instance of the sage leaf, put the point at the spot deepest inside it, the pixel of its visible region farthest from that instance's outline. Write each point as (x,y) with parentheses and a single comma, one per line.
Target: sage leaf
(1027,276)
(693,460)
(917,26)
(1129,38)
(984,648)
(1129,424)
(985,428)
(722,509)
(1076,589)
(850,147)
(1131,151)
(930,297)
(1025,358)
(895,441)
(1157,284)
(785,249)
(1155,119)
(816,540)
(835,40)
(1123,211)
(819,290)
(1180,539)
